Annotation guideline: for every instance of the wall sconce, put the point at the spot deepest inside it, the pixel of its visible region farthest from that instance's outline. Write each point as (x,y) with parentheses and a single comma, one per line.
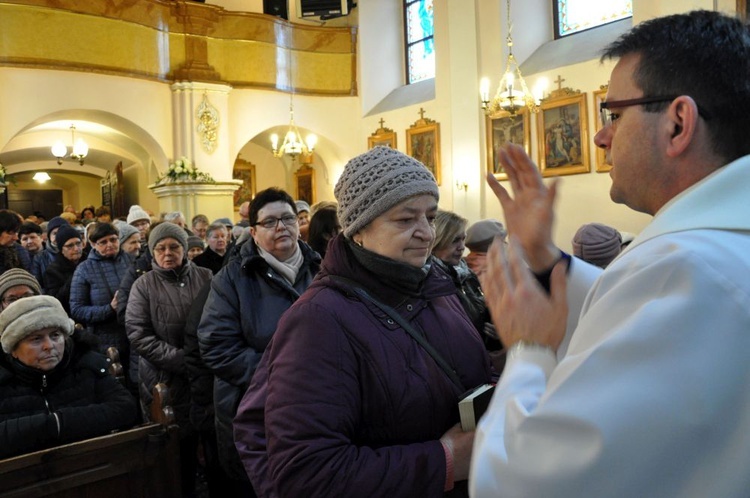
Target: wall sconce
(462,186)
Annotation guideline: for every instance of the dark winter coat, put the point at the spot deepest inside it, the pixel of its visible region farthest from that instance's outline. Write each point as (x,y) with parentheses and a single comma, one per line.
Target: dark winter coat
(88,401)
(58,278)
(94,284)
(155,322)
(41,261)
(353,405)
(246,301)
(209,259)
(201,377)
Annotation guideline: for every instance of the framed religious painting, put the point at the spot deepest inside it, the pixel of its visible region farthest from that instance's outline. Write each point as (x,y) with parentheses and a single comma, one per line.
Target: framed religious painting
(304,182)
(382,136)
(562,134)
(423,144)
(245,171)
(502,129)
(601,157)
(743,9)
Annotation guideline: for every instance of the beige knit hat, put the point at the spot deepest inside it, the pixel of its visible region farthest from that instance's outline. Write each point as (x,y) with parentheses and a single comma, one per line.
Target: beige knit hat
(374,182)
(18,276)
(28,315)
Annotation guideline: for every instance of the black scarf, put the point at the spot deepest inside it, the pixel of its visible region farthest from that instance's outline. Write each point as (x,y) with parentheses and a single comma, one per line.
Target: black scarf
(407,279)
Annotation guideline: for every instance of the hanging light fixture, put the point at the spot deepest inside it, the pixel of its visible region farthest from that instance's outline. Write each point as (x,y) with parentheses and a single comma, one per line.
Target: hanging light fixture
(41,177)
(293,145)
(79,149)
(512,95)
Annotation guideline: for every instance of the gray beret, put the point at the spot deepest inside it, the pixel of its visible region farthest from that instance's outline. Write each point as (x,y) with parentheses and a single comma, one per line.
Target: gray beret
(374,182)
(28,315)
(165,230)
(597,244)
(480,235)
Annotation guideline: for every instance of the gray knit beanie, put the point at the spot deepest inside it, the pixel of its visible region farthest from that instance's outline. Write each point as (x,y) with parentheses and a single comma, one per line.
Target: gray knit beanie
(28,315)
(126,231)
(137,213)
(17,276)
(165,230)
(374,182)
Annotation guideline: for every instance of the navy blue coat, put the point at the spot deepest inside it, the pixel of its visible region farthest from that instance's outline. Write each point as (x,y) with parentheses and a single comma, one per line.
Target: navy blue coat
(95,282)
(247,299)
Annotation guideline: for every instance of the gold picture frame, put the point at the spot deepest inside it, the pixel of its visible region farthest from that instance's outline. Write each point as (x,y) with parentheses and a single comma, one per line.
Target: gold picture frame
(562,133)
(382,136)
(502,128)
(601,156)
(743,10)
(423,144)
(304,183)
(245,171)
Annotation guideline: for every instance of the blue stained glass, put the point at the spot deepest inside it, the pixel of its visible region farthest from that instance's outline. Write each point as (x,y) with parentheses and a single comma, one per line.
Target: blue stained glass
(420,40)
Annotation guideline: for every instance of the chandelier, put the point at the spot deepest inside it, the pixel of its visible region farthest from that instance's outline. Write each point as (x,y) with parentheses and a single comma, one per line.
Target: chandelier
(41,177)
(512,95)
(79,150)
(293,145)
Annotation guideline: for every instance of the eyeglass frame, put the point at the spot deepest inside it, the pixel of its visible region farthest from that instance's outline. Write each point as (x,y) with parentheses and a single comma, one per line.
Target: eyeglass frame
(75,244)
(291,217)
(16,298)
(605,115)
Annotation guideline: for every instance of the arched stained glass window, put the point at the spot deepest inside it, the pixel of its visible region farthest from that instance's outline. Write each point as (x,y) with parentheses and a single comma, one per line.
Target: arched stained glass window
(420,40)
(572,16)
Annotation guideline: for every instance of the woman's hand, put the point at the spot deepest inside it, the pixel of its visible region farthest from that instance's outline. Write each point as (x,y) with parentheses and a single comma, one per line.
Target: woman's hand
(460,444)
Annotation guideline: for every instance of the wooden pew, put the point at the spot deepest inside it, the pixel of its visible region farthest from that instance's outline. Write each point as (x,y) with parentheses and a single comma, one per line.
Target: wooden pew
(140,462)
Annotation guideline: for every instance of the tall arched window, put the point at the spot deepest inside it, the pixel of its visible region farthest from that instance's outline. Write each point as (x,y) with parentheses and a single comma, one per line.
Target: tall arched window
(420,40)
(572,16)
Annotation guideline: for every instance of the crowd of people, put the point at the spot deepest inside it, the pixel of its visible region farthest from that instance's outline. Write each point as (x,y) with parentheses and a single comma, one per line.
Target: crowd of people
(323,350)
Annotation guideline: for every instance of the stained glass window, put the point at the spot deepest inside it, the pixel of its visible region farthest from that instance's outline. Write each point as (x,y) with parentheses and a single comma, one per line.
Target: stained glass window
(572,16)
(420,40)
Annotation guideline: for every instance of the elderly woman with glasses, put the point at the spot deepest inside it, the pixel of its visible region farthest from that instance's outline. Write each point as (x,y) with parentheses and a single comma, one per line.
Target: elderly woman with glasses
(93,291)
(158,306)
(358,393)
(247,298)
(59,274)
(17,284)
(53,389)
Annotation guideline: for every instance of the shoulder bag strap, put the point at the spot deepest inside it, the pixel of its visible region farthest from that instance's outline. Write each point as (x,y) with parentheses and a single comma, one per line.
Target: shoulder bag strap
(421,340)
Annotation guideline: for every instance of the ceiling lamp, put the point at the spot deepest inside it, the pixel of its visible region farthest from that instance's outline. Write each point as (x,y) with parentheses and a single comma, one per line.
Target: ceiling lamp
(41,177)
(79,150)
(512,95)
(293,145)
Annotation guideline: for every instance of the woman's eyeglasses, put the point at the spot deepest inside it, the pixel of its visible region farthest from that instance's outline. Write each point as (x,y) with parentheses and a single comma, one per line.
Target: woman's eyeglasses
(271,223)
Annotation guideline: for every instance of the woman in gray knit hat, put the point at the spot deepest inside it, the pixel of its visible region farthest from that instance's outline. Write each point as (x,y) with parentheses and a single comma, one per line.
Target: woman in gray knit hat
(158,306)
(350,404)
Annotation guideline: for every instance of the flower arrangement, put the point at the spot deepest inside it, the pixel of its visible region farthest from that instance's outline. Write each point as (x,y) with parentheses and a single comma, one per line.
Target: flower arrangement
(2,173)
(184,171)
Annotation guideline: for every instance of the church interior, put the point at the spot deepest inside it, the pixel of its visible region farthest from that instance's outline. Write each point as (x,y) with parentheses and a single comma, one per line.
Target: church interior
(157,83)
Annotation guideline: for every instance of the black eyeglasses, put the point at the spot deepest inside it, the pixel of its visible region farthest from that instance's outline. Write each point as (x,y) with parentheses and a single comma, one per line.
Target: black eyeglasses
(608,117)
(271,223)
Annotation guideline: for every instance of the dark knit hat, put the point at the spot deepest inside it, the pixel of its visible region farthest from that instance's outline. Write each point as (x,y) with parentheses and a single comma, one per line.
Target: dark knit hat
(597,244)
(374,182)
(18,276)
(480,235)
(55,222)
(194,241)
(65,233)
(166,230)
(103,230)
(28,315)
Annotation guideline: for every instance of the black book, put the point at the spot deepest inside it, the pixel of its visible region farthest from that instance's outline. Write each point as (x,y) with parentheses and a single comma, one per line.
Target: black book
(473,404)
